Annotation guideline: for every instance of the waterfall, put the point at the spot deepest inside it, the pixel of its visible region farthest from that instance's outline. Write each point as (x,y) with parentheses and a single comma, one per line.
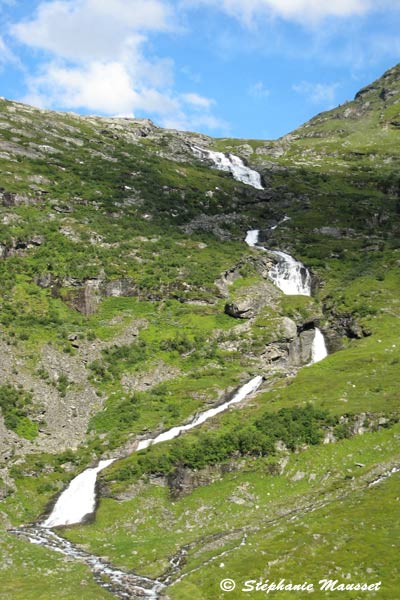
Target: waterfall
(290,275)
(231,164)
(252,237)
(318,350)
(79,499)
(245,390)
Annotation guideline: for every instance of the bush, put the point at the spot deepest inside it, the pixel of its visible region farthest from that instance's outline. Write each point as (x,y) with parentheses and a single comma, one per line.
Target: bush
(15,404)
(293,426)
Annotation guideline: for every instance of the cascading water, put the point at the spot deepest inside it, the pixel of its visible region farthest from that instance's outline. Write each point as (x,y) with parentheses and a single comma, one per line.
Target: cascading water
(79,499)
(384,476)
(231,164)
(252,237)
(285,218)
(122,584)
(290,275)
(318,350)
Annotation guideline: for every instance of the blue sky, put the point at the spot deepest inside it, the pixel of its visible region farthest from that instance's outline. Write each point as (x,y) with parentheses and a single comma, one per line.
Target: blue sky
(239,68)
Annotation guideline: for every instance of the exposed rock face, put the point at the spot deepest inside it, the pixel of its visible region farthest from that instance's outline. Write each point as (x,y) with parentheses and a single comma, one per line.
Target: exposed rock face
(13,199)
(300,350)
(18,247)
(359,427)
(288,328)
(9,441)
(45,280)
(290,350)
(249,302)
(342,325)
(85,298)
(335,232)
(119,287)
(84,295)
(276,354)
(183,481)
(144,381)
(66,416)
(261,264)
(215,224)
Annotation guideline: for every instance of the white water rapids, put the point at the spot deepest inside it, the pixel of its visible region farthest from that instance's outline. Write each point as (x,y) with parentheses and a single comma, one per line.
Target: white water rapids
(292,278)
(121,584)
(285,218)
(79,499)
(288,274)
(231,164)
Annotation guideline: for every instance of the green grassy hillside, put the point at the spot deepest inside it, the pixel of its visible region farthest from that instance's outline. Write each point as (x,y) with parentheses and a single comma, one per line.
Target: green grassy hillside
(119,250)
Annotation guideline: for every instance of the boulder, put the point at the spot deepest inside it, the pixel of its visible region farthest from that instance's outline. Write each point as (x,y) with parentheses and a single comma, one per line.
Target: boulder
(300,349)
(234,311)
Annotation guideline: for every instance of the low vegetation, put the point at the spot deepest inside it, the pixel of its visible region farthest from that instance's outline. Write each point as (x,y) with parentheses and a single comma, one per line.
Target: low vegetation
(112,249)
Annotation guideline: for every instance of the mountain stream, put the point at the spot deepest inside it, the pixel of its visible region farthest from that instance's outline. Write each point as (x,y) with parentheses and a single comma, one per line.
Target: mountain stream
(79,499)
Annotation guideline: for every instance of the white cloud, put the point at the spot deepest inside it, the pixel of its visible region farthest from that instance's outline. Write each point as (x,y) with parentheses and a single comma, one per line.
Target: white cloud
(6,54)
(104,87)
(7,3)
(190,74)
(258,90)
(109,88)
(3,50)
(198,101)
(317,93)
(194,113)
(196,122)
(303,11)
(86,30)
(97,59)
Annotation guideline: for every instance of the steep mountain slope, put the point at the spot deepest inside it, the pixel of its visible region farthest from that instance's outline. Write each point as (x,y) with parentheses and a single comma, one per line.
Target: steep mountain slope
(130,302)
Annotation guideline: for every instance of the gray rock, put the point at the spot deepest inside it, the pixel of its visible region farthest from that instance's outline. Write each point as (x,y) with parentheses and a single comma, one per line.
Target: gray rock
(276,353)
(300,350)
(288,328)
(298,476)
(233,310)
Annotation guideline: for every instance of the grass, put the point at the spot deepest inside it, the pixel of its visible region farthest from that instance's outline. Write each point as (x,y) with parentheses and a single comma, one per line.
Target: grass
(142,532)
(15,404)
(101,218)
(351,541)
(25,567)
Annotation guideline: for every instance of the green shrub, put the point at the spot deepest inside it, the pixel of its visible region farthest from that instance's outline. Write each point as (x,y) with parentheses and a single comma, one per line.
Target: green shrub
(15,404)
(294,427)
